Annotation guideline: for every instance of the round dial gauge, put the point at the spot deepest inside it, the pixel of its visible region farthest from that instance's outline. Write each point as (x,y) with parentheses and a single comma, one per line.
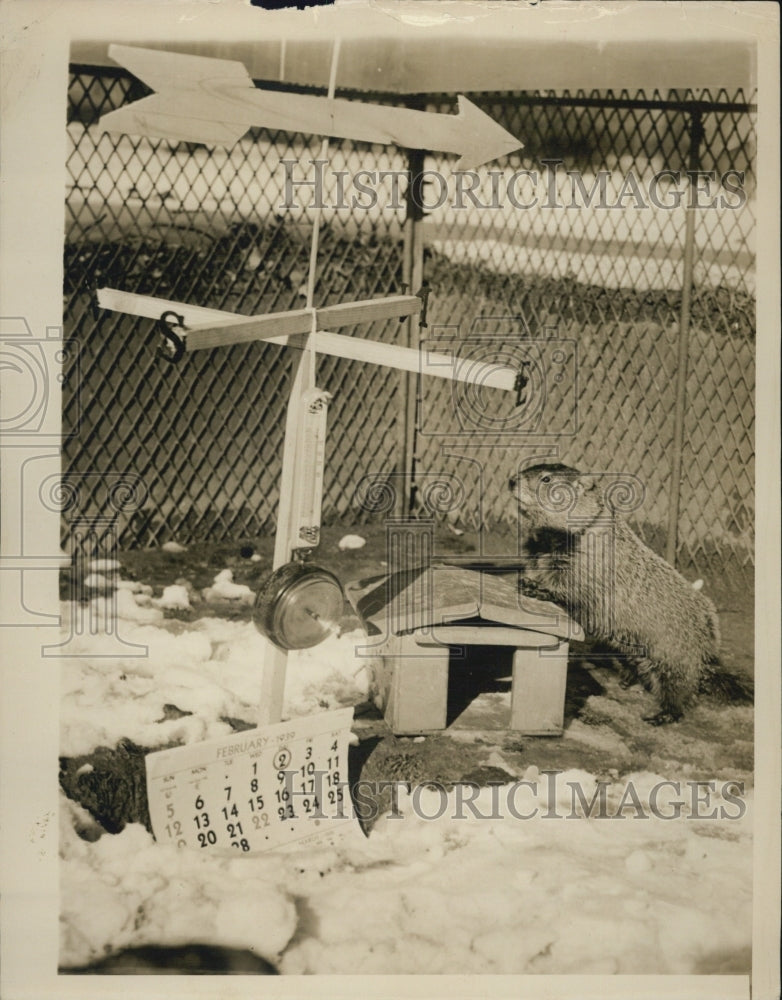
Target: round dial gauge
(299,606)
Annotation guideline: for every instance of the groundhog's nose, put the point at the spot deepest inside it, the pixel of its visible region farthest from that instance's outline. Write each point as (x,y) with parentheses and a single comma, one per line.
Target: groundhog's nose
(512,483)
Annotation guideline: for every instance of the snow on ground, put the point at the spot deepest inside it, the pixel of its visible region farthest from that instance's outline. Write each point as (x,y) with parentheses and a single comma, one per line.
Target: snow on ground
(210,668)
(419,896)
(463,893)
(511,896)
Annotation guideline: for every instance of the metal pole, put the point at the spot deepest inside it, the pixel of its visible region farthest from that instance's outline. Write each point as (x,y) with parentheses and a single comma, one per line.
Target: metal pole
(696,135)
(412,276)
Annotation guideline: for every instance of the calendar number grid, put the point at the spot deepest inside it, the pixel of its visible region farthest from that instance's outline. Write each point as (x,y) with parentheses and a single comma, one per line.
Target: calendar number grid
(275,787)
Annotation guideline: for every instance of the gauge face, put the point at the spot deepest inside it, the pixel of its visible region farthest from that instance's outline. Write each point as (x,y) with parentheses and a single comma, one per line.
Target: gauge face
(299,606)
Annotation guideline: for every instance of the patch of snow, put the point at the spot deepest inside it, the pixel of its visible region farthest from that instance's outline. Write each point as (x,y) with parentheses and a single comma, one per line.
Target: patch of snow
(638,862)
(224,589)
(173,547)
(496,759)
(174,598)
(501,895)
(212,668)
(95,581)
(128,607)
(481,895)
(134,587)
(329,675)
(351,542)
(110,885)
(104,566)
(599,737)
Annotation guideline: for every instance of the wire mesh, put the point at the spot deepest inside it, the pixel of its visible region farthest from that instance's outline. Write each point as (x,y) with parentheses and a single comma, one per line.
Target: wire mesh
(185,223)
(591,292)
(591,267)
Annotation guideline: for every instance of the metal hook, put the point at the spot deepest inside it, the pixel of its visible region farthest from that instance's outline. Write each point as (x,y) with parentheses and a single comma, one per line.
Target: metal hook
(423,294)
(97,312)
(405,286)
(520,385)
(174,347)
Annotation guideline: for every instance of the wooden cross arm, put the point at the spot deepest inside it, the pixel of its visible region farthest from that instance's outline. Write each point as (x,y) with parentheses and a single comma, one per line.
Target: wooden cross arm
(300,321)
(216,328)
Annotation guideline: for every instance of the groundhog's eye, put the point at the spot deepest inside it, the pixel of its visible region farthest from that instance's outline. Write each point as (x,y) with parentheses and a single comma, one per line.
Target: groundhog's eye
(545,479)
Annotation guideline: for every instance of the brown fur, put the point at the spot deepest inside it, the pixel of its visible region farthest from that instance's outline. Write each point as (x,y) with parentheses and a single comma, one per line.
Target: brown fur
(616,587)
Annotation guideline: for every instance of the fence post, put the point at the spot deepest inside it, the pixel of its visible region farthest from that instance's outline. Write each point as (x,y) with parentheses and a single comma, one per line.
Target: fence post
(696,135)
(412,276)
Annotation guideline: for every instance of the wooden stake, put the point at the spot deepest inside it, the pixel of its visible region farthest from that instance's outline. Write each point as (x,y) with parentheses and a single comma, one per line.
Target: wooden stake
(275,661)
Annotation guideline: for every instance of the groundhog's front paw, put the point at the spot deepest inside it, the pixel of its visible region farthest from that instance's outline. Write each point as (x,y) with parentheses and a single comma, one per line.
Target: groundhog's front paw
(662,718)
(531,588)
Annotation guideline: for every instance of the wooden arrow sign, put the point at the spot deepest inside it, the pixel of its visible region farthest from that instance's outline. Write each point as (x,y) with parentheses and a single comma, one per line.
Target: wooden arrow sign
(199,99)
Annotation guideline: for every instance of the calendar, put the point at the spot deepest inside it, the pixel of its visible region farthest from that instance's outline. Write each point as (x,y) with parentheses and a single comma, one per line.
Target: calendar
(254,791)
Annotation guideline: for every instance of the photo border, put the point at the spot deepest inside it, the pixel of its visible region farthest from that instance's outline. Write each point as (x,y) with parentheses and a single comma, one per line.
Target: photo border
(35,54)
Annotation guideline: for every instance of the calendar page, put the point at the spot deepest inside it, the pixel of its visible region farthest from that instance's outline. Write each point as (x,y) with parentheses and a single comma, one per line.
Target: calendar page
(254,791)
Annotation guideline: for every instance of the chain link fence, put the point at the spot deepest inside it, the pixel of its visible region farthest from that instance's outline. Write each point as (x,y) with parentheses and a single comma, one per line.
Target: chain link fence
(594,272)
(189,224)
(585,285)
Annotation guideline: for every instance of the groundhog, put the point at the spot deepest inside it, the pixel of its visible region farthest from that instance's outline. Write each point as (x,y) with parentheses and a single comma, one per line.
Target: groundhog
(617,588)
